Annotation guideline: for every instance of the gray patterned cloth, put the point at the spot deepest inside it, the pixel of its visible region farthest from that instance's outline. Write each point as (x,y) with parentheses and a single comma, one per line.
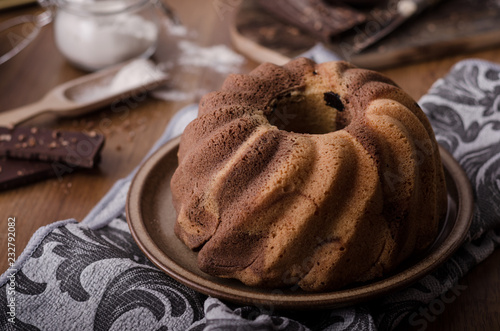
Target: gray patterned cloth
(92,276)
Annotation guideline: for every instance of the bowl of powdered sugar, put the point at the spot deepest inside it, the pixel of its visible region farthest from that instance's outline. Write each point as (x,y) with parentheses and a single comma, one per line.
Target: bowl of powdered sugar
(96,34)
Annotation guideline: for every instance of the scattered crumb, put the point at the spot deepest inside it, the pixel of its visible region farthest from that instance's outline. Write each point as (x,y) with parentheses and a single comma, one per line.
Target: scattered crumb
(268,32)
(31,141)
(293,30)
(126,124)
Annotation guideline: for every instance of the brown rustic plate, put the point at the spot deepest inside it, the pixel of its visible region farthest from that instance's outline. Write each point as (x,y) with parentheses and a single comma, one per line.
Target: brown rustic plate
(151,217)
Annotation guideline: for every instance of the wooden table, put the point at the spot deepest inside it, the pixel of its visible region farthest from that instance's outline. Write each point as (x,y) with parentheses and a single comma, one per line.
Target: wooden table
(130,134)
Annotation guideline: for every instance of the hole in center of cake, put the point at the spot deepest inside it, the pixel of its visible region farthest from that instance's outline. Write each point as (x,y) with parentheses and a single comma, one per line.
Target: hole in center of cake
(313,113)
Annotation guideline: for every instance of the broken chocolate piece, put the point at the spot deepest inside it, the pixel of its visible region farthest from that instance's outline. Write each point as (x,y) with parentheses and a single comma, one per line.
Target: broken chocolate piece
(68,147)
(332,99)
(322,20)
(19,172)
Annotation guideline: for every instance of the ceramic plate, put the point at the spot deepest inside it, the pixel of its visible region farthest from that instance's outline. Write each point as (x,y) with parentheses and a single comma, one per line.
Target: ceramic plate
(151,217)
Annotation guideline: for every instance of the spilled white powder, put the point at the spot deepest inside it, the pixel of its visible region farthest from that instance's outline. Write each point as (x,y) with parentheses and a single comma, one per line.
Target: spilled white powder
(177,30)
(179,95)
(173,95)
(219,57)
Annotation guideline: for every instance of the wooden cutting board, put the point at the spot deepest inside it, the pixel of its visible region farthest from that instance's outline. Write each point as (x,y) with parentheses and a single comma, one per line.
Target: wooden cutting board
(451,27)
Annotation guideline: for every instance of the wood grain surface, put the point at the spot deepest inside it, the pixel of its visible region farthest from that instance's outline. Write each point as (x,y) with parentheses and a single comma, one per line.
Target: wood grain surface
(133,129)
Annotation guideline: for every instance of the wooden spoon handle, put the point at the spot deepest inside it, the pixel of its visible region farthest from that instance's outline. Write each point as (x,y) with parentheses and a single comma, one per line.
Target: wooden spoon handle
(53,102)
(15,116)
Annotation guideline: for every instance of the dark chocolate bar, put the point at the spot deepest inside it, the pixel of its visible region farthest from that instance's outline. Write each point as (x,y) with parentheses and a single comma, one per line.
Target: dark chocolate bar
(321,19)
(14,172)
(72,148)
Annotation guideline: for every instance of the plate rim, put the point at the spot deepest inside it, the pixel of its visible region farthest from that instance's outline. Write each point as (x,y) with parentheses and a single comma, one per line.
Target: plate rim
(303,300)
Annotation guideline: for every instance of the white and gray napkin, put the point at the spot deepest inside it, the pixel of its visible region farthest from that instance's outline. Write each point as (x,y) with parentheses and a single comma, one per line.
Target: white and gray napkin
(92,276)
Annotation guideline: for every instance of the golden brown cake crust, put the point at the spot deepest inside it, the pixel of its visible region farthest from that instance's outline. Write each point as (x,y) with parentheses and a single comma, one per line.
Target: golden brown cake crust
(312,174)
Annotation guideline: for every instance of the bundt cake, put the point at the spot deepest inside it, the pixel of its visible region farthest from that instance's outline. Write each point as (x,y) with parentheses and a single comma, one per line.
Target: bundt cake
(316,175)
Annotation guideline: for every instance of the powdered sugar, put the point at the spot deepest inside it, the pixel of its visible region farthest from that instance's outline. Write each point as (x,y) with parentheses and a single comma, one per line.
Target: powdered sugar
(219,57)
(135,74)
(139,72)
(96,34)
(173,95)
(178,30)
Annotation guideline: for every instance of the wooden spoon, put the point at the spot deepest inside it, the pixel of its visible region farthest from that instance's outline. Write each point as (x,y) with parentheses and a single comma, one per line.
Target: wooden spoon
(81,95)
